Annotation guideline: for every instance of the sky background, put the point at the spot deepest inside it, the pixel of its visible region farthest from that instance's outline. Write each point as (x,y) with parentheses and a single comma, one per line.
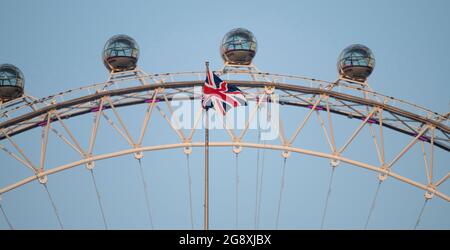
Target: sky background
(58,46)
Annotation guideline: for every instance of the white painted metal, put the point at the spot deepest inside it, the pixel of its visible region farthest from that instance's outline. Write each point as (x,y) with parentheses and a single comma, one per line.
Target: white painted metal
(226,144)
(164,86)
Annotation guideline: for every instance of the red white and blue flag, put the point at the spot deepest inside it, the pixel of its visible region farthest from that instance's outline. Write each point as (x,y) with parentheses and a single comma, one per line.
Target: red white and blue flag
(220,95)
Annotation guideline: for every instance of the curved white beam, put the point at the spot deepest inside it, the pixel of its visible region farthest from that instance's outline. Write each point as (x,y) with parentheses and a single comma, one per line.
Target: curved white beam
(225,144)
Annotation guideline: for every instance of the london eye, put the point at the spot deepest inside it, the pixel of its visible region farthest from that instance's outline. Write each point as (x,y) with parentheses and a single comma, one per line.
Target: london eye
(137,138)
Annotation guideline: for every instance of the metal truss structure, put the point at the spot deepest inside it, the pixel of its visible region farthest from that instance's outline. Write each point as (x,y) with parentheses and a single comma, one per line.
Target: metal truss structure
(324,99)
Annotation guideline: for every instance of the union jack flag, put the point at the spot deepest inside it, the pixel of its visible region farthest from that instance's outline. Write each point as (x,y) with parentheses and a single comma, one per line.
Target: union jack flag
(221,95)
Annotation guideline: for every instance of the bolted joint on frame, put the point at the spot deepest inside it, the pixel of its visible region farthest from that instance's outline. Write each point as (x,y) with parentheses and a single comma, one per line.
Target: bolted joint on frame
(363,83)
(269,89)
(335,162)
(378,110)
(429,194)
(139,155)
(286,154)
(236,148)
(90,165)
(99,91)
(323,96)
(384,173)
(42,178)
(187,150)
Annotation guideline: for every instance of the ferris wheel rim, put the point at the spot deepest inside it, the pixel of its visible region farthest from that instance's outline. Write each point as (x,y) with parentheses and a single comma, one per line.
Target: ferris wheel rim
(261,84)
(138,74)
(322,90)
(387,172)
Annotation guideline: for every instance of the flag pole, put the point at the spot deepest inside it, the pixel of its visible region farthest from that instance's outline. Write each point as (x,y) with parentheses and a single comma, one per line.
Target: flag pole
(206,207)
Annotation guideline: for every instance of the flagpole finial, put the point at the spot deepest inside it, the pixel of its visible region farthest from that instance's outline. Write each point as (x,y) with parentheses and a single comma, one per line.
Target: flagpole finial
(207,65)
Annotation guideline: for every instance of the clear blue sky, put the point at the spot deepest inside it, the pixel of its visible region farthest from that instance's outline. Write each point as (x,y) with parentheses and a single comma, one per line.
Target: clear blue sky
(58,46)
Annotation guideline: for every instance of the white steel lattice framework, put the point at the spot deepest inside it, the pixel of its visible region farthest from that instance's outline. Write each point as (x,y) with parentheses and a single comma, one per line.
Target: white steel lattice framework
(327,99)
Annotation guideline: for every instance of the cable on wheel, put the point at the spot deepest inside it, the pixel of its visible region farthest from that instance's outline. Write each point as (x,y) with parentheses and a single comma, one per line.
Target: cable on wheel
(55,210)
(420,214)
(6,218)
(237,188)
(99,199)
(324,214)
(281,192)
(260,189)
(257,176)
(147,200)
(190,190)
(372,207)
